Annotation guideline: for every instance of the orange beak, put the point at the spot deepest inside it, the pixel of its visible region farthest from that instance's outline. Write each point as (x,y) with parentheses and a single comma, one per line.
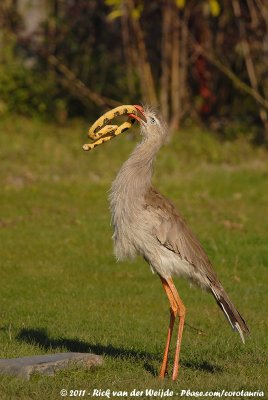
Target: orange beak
(140,117)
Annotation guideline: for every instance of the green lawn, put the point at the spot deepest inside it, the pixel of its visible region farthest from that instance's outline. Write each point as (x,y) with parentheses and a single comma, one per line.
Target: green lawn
(62,290)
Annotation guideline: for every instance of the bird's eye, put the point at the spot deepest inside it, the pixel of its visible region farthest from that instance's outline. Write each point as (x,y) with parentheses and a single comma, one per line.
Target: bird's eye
(152,121)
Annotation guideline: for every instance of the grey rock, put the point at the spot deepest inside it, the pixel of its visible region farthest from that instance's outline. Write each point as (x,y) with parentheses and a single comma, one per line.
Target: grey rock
(47,364)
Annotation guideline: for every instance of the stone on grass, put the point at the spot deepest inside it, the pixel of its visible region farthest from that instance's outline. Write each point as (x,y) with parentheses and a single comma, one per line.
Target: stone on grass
(47,364)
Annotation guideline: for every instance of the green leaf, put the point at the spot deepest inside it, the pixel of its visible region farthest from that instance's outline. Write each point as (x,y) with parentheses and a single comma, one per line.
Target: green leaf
(180,3)
(114,14)
(215,8)
(113,3)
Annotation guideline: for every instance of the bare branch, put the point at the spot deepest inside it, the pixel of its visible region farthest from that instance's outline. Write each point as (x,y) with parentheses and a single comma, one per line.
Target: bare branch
(84,90)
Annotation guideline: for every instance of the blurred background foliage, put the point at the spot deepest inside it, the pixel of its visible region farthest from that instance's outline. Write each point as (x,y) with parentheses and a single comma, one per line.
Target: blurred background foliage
(200,60)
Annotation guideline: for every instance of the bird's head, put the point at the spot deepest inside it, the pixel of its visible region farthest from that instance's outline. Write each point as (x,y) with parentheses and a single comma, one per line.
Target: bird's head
(153,127)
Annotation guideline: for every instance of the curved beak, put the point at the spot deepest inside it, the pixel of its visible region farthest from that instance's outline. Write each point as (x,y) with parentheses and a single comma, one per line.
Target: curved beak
(140,116)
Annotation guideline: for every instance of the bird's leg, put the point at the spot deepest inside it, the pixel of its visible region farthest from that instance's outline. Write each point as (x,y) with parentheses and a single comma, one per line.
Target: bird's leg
(173,313)
(181,314)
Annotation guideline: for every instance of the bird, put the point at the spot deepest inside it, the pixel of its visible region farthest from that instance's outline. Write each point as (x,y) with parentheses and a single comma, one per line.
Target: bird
(147,223)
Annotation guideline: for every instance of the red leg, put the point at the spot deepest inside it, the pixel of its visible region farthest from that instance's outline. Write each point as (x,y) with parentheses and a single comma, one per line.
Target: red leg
(181,314)
(164,365)
(173,313)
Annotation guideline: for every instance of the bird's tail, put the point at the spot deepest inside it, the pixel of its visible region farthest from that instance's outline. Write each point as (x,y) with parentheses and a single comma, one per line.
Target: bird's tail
(232,315)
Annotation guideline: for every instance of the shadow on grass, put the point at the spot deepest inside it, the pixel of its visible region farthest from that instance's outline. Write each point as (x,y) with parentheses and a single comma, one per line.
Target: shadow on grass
(39,337)
(203,366)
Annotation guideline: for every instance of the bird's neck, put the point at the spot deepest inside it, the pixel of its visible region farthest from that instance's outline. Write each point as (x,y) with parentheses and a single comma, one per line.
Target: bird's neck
(134,177)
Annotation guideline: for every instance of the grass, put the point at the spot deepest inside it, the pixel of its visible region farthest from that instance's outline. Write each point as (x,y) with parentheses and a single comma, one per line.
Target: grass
(61,289)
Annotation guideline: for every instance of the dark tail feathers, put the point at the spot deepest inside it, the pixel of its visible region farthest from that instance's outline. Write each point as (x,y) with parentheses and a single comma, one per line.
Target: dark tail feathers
(230,312)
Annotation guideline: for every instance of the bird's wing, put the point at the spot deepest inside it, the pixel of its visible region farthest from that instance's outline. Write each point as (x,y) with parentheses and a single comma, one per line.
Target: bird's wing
(173,233)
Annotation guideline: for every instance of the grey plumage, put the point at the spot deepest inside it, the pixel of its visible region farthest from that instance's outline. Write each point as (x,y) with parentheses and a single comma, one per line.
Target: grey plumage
(147,223)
